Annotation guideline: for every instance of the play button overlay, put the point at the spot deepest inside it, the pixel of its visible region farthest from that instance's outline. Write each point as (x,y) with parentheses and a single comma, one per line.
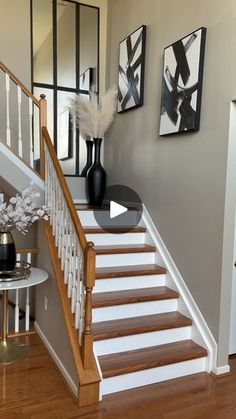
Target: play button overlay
(121,210)
(116,209)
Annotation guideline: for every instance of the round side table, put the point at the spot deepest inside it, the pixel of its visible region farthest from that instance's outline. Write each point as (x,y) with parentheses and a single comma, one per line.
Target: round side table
(9,351)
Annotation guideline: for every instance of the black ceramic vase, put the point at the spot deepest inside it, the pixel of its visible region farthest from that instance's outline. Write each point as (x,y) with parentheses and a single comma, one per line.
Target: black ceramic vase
(7,252)
(89,145)
(96,177)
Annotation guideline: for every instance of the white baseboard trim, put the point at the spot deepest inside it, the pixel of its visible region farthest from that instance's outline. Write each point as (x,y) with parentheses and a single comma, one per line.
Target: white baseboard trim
(225,369)
(190,303)
(57,360)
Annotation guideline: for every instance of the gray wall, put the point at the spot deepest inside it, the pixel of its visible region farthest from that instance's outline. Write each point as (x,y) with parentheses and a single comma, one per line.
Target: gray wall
(15,37)
(51,322)
(181,179)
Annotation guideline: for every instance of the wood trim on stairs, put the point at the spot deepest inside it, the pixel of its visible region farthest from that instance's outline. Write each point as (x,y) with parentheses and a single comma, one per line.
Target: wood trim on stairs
(114,298)
(124,248)
(113,230)
(142,324)
(151,357)
(124,271)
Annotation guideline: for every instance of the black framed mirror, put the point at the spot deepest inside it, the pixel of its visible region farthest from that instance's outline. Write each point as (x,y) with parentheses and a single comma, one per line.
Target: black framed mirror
(65,62)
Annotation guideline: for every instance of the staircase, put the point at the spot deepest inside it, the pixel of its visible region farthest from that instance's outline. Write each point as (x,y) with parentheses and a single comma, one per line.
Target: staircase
(129,317)
(140,337)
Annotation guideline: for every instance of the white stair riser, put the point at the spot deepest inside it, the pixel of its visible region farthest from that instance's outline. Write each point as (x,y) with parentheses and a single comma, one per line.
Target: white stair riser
(129,283)
(133,310)
(126,259)
(113,239)
(87,218)
(141,340)
(151,376)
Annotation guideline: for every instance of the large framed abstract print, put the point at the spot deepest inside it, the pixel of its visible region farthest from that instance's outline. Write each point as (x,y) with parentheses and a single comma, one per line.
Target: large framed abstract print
(131,70)
(182,84)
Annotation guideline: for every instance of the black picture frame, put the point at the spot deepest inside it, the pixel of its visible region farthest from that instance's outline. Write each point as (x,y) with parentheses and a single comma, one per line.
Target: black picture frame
(182,84)
(86,80)
(64,148)
(131,70)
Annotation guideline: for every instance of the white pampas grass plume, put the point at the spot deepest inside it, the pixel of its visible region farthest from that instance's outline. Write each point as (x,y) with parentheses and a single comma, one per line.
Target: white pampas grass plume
(93,118)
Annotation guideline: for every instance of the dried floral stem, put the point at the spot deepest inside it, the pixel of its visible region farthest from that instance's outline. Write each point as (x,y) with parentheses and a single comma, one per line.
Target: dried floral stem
(22,211)
(94,118)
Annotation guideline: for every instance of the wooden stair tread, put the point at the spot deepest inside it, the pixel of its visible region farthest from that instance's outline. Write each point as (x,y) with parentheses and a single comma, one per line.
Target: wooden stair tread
(124,248)
(132,270)
(141,324)
(99,230)
(104,207)
(152,357)
(107,299)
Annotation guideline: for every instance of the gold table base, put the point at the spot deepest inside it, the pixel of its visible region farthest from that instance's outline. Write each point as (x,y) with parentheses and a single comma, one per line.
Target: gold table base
(11,352)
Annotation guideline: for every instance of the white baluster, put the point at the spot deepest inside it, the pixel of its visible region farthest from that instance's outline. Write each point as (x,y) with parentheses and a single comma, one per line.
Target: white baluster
(58,224)
(29,257)
(63,239)
(27,310)
(78,283)
(66,256)
(17,311)
(8,110)
(54,215)
(20,146)
(31,132)
(70,254)
(62,230)
(73,296)
(67,242)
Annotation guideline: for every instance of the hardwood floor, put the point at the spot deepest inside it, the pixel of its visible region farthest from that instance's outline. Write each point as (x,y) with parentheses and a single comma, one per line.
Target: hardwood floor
(34,389)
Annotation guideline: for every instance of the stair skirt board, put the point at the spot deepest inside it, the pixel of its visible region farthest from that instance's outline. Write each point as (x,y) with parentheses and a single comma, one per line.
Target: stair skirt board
(128,283)
(113,239)
(141,340)
(127,259)
(133,310)
(152,375)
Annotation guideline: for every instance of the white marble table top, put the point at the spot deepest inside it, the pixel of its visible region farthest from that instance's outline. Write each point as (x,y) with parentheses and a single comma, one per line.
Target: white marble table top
(37,276)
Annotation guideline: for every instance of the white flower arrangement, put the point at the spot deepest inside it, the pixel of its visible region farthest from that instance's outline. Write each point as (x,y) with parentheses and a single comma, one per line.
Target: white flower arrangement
(94,117)
(21,211)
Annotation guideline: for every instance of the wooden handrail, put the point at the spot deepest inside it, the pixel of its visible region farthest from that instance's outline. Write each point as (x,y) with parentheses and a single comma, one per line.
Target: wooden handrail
(18,82)
(78,227)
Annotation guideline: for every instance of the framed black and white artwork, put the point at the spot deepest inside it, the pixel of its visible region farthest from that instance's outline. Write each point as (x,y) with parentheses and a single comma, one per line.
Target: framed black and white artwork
(64,135)
(182,84)
(131,70)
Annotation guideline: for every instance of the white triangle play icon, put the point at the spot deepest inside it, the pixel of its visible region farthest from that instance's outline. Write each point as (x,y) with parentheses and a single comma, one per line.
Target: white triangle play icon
(116,209)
